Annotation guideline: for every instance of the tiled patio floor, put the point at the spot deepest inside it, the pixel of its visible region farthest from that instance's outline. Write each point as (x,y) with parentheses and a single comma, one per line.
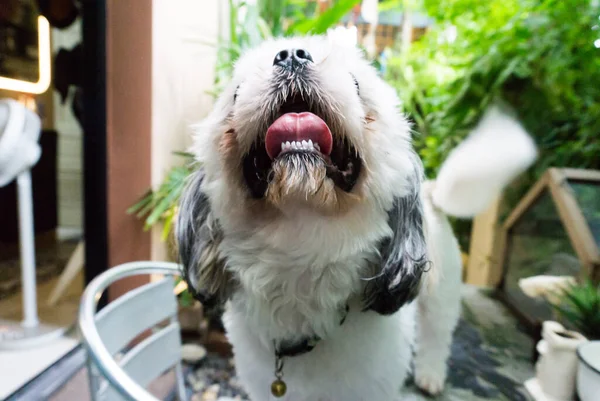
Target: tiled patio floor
(491,359)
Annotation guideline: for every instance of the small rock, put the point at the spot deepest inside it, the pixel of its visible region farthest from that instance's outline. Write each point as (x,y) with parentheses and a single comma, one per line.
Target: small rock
(220,375)
(193,353)
(201,373)
(198,385)
(212,393)
(235,382)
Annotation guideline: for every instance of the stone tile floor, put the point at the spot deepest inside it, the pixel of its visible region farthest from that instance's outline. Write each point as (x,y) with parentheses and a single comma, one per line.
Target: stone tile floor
(491,359)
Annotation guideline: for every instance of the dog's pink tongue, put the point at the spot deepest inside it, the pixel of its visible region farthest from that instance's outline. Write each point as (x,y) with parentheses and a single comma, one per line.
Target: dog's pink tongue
(298,127)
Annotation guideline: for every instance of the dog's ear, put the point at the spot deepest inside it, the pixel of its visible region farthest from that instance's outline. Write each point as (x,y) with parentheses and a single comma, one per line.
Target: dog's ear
(198,236)
(403,255)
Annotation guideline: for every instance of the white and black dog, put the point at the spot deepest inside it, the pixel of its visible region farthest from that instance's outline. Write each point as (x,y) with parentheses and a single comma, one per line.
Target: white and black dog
(310,220)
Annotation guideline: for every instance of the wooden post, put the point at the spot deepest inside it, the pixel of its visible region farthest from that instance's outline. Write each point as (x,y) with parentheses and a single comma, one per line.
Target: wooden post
(128,131)
(483,268)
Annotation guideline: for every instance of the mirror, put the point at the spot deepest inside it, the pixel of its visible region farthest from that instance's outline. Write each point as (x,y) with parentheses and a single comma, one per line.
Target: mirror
(25,55)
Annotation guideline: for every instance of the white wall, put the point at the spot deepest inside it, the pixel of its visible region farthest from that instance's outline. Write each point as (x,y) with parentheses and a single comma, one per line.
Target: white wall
(70,167)
(183,61)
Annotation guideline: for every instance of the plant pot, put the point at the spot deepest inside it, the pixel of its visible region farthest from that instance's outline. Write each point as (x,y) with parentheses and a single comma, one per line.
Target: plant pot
(588,372)
(190,318)
(556,369)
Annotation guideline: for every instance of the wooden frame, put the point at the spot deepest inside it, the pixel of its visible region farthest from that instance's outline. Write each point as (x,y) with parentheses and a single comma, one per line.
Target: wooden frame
(555,180)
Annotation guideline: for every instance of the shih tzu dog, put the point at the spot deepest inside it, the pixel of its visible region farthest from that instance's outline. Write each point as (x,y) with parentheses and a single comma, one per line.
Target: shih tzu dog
(310,220)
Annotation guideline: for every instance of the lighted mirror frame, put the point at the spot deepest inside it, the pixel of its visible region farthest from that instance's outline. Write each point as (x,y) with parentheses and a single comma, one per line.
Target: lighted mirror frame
(44,62)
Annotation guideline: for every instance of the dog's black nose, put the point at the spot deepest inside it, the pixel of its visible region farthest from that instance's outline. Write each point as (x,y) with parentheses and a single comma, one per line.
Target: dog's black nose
(292,58)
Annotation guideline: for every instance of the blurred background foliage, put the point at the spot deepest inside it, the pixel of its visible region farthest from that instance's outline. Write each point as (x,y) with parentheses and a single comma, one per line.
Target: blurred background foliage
(539,57)
(251,23)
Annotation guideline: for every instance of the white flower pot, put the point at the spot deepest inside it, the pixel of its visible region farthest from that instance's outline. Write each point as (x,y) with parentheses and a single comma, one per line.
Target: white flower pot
(588,373)
(556,369)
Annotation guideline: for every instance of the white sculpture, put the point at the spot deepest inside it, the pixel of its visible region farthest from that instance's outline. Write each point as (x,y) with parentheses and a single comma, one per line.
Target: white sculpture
(19,152)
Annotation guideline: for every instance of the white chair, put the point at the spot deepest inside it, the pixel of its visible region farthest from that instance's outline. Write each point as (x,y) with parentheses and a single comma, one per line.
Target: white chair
(19,151)
(118,373)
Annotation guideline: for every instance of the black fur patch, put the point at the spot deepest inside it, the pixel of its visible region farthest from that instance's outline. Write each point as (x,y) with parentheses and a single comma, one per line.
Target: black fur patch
(404,257)
(196,231)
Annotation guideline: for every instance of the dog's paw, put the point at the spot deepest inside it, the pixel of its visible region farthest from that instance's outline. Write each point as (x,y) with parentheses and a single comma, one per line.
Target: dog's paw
(430,382)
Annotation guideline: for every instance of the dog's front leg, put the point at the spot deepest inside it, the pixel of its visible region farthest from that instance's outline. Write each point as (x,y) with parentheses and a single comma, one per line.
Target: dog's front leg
(438,303)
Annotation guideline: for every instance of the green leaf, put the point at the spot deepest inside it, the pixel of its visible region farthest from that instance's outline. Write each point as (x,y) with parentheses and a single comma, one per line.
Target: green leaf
(167,226)
(145,200)
(186,299)
(323,22)
(389,5)
(580,307)
(187,155)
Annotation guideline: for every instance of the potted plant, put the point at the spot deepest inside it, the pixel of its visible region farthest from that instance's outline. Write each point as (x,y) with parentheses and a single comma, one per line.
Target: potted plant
(160,207)
(580,309)
(556,369)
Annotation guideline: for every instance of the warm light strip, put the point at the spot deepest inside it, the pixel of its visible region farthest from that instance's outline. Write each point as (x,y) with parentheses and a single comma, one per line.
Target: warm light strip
(45,62)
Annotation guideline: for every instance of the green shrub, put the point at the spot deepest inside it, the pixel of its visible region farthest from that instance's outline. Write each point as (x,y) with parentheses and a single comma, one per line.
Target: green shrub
(580,309)
(537,56)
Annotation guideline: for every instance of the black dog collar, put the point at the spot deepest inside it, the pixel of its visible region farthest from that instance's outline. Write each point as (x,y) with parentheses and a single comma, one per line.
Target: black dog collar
(303,346)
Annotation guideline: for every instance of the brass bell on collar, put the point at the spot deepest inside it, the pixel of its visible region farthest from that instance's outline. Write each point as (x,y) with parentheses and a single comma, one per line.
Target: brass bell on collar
(278,388)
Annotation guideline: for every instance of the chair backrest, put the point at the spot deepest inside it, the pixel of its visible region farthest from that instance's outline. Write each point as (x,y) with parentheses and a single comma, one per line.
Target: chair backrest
(119,372)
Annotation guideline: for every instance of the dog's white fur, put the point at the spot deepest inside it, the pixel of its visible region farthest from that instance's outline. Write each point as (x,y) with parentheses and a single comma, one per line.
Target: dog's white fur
(474,173)
(297,270)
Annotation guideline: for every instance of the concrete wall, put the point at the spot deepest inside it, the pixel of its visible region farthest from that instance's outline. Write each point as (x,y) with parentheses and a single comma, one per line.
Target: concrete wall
(160,64)
(183,63)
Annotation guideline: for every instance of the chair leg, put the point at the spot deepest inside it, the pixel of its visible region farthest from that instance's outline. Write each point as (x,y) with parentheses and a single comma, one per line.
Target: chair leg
(93,380)
(180,382)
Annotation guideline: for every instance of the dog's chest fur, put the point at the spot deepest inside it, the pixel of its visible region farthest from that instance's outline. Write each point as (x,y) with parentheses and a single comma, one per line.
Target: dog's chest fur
(286,295)
(298,274)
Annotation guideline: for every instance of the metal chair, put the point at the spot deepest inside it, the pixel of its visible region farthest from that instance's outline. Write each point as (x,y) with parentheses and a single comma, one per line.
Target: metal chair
(118,373)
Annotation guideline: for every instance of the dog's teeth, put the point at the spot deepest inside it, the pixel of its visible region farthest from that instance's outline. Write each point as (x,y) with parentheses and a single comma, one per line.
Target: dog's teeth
(299,145)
